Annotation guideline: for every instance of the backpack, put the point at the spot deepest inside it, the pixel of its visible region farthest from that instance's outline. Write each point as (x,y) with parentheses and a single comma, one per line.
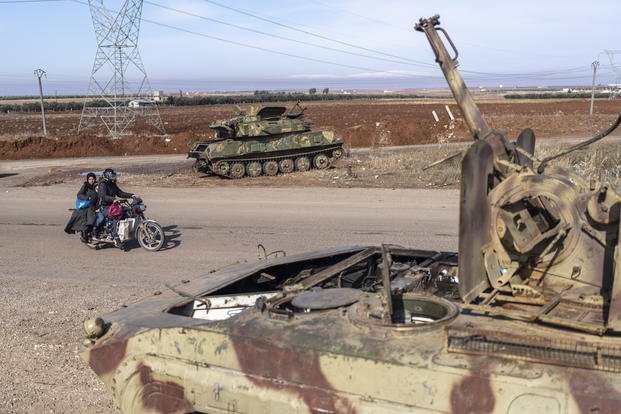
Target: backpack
(115,210)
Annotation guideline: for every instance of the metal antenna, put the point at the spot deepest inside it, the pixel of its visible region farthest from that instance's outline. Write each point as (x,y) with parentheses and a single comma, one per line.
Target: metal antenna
(39,73)
(119,90)
(616,68)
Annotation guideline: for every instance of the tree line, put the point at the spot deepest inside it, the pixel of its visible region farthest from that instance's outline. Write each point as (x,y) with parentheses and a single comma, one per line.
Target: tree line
(266,96)
(260,96)
(256,97)
(49,106)
(556,95)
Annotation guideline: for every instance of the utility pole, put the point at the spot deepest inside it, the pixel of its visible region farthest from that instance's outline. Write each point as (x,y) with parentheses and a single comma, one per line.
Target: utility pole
(39,73)
(595,64)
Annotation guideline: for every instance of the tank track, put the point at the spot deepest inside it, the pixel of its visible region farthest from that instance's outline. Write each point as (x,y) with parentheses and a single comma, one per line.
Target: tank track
(230,172)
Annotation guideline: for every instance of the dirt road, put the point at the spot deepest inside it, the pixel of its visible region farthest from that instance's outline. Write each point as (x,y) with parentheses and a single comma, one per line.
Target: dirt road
(50,282)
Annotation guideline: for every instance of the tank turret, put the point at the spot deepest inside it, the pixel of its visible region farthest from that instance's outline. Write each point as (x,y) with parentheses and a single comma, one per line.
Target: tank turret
(535,240)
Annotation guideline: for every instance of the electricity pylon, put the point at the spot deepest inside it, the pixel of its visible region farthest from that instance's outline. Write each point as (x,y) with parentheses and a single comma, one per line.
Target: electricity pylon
(118,75)
(616,69)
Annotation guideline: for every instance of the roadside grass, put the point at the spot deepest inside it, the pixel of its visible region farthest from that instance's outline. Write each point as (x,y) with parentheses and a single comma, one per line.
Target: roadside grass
(406,167)
(600,161)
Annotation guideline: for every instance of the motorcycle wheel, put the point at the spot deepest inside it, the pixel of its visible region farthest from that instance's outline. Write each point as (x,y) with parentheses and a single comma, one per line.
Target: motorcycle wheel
(150,236)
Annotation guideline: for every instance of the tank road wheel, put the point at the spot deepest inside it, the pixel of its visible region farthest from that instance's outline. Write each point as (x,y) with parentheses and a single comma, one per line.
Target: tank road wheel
(199,166)
(222,168)
(238,170)
(270,168)
(254,169)
(321,161)
(286,166)
(302,164)
(337,153)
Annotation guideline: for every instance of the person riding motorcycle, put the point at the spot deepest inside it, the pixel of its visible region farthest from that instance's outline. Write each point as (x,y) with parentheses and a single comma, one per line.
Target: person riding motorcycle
(108,191)
(83,219)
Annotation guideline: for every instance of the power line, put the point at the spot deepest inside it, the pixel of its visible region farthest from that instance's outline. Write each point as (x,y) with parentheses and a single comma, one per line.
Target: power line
(263,49)
(309,33)
(401,61)
(415,63)
(421,63)
(259,47)
(400,28)
(371,19)
(27,1)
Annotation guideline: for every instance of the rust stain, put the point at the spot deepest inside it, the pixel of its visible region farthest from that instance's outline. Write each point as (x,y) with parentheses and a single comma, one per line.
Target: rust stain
(593,393)
(106,358)
(162,396)
(474,393)
(269,362)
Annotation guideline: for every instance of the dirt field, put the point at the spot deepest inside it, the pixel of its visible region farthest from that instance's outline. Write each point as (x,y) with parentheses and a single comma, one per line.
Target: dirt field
(361,123)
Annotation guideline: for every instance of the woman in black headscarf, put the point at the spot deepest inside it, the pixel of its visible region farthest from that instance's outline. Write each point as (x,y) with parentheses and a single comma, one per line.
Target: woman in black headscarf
(83,219)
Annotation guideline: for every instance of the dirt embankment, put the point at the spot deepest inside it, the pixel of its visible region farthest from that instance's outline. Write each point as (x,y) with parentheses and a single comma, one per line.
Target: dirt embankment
(360,123)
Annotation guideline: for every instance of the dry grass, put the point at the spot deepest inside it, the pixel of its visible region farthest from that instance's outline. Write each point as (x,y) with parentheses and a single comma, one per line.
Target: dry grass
(405,167)
(600,161)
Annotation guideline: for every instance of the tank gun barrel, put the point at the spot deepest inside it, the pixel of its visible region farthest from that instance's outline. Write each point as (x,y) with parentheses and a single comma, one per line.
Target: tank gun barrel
(474,119)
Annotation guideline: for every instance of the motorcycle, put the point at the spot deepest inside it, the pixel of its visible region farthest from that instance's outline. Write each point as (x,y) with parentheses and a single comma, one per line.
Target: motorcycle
(133,225)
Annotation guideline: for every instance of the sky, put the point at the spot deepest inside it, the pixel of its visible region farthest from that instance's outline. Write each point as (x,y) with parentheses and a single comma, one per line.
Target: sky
(212,45)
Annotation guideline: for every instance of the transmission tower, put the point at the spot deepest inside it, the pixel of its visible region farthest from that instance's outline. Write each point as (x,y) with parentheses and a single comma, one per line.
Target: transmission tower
(119,90)
(616,69)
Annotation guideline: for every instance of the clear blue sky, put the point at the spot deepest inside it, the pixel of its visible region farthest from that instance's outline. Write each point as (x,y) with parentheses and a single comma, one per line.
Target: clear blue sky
(495,38)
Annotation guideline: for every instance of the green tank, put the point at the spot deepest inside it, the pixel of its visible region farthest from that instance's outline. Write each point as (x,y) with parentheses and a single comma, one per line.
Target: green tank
(524,318)
(265,140)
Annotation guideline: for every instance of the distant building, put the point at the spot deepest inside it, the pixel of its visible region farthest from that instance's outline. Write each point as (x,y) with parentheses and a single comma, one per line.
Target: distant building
(158,96)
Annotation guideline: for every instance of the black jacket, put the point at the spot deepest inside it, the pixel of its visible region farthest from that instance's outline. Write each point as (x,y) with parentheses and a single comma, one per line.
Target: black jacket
(80,220)
(108,191)
(84,218)
(87,192)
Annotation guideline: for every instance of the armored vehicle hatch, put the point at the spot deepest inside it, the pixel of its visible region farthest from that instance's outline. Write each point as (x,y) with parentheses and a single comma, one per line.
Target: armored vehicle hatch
(526,318)
(265,141)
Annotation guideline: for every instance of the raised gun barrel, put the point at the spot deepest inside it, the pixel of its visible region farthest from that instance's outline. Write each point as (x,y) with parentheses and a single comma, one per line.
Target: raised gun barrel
(501,147)
(534,243)
(474,119)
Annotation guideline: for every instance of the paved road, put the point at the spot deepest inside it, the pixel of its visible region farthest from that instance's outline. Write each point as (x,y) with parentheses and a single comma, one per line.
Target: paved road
(50,282)
(213,227)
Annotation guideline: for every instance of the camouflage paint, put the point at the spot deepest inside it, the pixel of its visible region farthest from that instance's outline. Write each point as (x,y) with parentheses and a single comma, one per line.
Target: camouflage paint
(292,366)
(162,396)
(262,134)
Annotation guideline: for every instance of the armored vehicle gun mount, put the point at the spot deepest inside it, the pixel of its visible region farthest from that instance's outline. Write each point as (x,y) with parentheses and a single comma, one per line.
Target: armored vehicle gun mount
(526,318)
(531,235)
(265,141)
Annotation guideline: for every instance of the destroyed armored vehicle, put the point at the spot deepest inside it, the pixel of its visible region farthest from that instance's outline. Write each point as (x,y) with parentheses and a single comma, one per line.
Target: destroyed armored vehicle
(525,319)
(265,141)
